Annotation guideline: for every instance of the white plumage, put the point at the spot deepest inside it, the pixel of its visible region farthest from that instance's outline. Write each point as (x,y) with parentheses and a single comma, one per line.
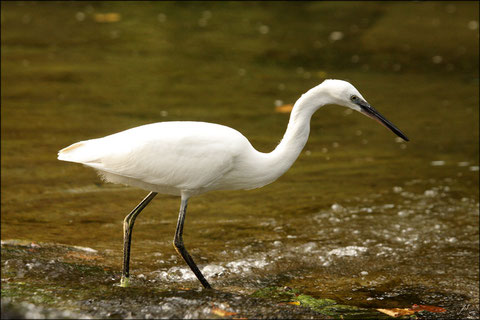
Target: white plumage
(165,157)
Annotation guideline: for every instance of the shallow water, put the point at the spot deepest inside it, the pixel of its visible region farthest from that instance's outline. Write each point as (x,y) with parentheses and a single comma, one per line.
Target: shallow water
(360,218)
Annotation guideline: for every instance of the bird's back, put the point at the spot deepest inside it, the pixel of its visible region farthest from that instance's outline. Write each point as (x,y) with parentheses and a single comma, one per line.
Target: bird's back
(166,157)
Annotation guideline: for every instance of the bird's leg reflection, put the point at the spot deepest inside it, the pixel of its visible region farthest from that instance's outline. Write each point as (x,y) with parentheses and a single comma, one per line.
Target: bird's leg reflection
(128,223)
(180,247)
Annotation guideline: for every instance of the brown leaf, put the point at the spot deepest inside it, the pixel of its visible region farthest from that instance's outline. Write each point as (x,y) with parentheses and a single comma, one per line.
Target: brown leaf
(107,17)
(222,313)
(397,312)
(286,108)
(422,307)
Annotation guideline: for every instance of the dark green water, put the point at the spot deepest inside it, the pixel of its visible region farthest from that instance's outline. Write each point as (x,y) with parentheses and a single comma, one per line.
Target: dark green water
(360,217)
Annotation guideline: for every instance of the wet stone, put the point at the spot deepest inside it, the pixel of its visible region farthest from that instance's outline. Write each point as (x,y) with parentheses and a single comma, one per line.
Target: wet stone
(88,291)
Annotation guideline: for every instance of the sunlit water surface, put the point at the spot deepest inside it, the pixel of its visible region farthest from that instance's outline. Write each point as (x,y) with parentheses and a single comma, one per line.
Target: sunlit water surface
(361,217)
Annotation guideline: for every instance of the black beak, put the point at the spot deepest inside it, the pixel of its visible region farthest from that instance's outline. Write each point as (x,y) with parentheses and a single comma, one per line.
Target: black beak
(375,115)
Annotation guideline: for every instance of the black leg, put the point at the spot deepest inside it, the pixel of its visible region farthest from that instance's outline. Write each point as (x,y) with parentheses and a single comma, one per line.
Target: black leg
(127,236)
(179,246)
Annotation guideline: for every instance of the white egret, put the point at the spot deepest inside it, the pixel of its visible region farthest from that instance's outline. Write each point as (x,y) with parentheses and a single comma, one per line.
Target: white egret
(188,158)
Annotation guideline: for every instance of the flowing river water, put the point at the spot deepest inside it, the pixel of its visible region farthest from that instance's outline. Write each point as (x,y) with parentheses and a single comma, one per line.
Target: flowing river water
(361,218)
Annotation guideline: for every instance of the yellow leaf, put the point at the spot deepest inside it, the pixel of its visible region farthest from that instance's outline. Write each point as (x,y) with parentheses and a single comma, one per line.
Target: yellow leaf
(107,17)
(397,312)
(286,108)
(222,313)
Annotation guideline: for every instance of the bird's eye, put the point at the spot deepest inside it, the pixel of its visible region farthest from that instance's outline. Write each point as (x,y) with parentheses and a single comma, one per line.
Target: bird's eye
(353,98)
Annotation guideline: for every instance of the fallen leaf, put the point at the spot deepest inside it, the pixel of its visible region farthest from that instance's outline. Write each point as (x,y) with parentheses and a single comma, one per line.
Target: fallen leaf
(286,108)
(397,312)
(107,17)
(422,307)
(222,313)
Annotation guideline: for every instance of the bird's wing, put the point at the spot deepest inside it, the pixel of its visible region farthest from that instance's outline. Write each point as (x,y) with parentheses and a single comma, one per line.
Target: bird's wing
(186,155)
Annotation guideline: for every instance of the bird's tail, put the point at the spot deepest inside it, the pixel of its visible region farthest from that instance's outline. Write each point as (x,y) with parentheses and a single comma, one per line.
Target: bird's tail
(81,152)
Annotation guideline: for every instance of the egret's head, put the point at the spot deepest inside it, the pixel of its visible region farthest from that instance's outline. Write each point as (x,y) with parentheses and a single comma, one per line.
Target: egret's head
(344,94)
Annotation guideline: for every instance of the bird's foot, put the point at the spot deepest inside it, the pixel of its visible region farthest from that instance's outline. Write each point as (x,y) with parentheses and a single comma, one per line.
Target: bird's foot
(124,282)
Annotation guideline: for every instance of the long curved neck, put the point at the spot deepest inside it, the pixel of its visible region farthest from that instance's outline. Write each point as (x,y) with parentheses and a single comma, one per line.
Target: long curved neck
(281,159)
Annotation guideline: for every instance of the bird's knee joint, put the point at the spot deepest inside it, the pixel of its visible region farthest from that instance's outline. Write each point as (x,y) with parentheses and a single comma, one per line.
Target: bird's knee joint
(178,244)
(179,247)
(126,224)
